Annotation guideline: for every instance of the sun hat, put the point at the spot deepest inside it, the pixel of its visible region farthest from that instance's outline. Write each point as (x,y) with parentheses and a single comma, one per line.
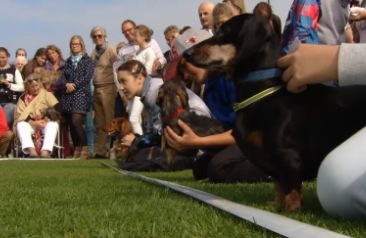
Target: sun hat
(189,38)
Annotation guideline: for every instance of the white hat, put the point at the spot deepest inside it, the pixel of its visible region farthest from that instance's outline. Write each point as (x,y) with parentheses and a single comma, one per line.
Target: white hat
(189,38)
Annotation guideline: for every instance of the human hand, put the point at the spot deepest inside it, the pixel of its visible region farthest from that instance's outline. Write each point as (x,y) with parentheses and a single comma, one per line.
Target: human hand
(188,140)
(4,81)
(309,64)
(40,124)
(357,13)
(128,139)
(70,87)
(156,65)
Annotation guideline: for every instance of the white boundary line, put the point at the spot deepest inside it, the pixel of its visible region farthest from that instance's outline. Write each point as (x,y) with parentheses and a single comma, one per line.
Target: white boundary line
(33,159)
(279,224)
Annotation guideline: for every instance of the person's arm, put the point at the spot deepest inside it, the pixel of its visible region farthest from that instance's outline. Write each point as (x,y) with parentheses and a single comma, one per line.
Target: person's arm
(309,64)
(160,59)
(189,140)
(18,86)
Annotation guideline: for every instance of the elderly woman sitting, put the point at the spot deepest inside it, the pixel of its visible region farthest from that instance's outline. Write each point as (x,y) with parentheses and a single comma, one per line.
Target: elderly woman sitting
(29,118)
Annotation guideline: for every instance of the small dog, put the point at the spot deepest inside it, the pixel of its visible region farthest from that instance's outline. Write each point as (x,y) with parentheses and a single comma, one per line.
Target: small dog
(118,128)
(51,114)
(173,102)
(287,135)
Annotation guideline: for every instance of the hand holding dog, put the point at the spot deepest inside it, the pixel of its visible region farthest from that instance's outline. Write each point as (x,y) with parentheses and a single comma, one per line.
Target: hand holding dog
(309,64)
(188,140)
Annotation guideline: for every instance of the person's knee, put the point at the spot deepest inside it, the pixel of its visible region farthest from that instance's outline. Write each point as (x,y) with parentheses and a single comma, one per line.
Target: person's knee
(8,136)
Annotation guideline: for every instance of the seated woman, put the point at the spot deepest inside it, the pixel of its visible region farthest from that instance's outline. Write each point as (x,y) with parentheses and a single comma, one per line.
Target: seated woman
(134,81)
(29,119)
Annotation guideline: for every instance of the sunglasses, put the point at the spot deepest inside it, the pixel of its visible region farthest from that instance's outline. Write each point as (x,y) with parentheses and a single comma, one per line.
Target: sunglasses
(97,36)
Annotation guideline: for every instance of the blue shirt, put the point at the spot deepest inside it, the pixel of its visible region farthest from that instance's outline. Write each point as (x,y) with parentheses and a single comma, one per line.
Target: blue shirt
(219,96)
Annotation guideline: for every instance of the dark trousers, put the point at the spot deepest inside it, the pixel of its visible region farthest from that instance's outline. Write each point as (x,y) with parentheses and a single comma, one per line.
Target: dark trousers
(227,166)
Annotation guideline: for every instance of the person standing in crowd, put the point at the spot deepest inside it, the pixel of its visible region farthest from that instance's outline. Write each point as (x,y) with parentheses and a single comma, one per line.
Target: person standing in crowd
(11,86)
(130,48)
(237,6)
(38,60)
(6,135)
(170,33)
(105,93)
(75,100)
(20,62)
(205,15)
(55,62)
(20,52)
(220,14)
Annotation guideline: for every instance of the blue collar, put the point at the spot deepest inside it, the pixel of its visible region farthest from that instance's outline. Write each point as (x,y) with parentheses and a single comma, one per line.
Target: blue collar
(261,75)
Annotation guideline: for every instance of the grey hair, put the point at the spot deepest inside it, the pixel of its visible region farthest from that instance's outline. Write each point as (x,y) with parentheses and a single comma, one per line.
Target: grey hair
(98,28)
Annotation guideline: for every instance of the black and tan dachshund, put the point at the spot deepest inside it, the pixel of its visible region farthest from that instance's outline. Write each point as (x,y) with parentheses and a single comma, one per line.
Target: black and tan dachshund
(287,135)
(173,102)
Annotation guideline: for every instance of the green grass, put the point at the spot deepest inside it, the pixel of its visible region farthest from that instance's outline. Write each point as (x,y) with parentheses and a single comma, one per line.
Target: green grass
(87,199)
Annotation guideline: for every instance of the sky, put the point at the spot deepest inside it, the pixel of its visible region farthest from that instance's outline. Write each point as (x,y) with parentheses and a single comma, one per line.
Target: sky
(38,23)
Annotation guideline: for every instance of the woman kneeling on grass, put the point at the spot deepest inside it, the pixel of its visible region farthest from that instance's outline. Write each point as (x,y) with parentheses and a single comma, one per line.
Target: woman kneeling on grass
(134,81)
(29,121)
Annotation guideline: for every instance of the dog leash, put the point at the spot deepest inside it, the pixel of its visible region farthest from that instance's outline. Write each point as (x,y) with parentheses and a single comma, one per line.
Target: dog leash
(255,98)
(276,223)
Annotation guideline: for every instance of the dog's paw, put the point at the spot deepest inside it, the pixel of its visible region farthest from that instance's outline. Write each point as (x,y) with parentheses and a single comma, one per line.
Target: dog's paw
(293,201)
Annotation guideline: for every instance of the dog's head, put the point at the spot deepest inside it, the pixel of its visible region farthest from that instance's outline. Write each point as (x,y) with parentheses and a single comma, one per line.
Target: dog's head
(51,114)
(114,127)
(172,98)
(242,44)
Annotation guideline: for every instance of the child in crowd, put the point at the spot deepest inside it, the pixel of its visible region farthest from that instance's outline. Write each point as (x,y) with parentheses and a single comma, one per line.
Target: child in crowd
(145,54)
(135,81)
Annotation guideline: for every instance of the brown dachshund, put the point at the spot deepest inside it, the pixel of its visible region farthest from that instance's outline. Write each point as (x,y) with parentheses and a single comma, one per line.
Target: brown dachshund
(173,102)
(118,128)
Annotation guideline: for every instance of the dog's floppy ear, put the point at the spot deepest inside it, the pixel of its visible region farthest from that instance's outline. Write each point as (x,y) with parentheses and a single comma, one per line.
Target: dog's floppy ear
(160,97)
(182,94)
(253,38)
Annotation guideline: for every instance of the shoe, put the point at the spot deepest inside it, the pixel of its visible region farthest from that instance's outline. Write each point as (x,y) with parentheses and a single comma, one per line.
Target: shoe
(85,154)
(45,154)
(77,152)
(98,156)
(32,153)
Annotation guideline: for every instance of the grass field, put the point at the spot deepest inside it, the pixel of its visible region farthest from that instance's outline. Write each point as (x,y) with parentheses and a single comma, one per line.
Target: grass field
(87,199)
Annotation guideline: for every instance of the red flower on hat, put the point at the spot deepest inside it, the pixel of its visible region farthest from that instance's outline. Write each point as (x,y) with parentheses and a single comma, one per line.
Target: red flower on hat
(192,40)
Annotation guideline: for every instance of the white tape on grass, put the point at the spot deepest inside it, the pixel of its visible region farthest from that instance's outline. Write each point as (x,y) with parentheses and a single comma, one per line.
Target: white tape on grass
(279,224)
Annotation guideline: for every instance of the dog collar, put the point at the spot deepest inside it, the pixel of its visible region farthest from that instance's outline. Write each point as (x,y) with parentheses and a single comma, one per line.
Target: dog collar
(175,114)
(261,74)
(255,98)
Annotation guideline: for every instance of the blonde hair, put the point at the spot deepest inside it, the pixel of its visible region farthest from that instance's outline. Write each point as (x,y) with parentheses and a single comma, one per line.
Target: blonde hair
(83,49)
(238,4)
(173,29)
(144,31)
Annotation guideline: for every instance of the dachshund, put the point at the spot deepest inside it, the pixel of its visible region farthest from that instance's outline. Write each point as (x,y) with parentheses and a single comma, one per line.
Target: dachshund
(118,128)
(285,134)
(173,102)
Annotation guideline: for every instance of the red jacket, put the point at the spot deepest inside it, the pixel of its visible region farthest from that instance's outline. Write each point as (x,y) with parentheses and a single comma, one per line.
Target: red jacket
(3,124)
